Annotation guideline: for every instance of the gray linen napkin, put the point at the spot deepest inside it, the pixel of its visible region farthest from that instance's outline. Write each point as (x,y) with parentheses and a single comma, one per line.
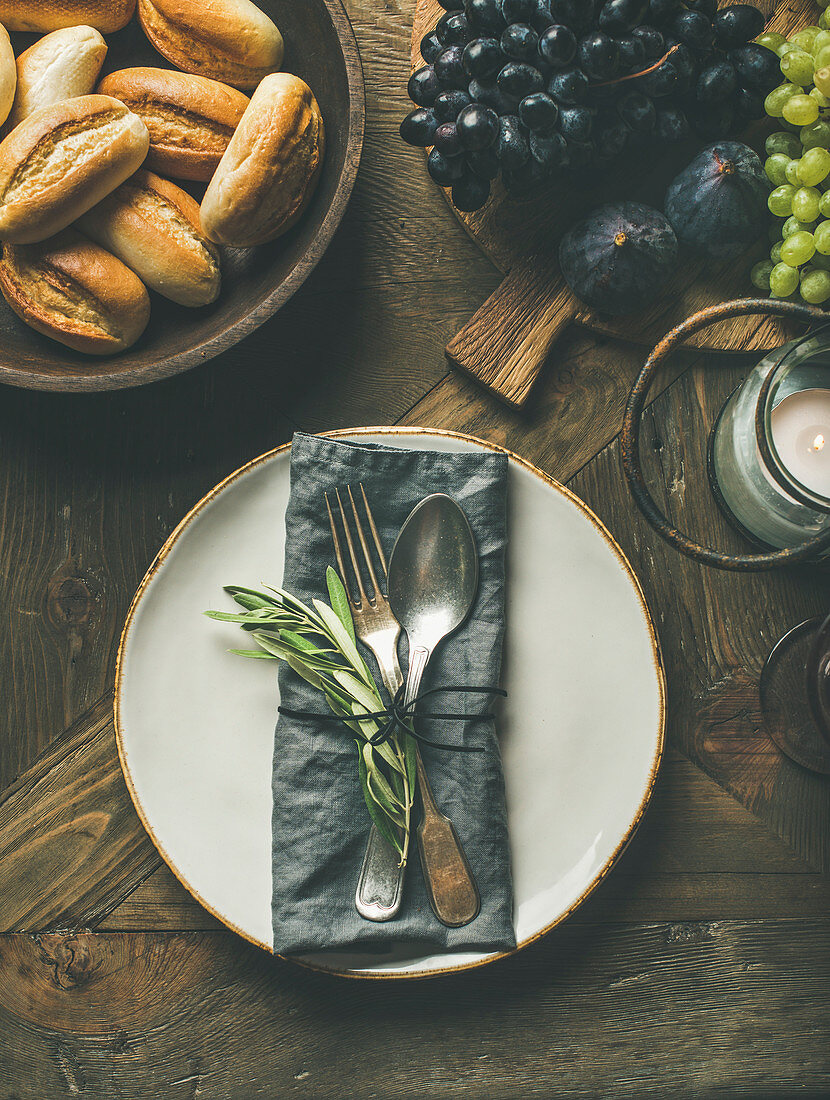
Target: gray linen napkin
(320,822)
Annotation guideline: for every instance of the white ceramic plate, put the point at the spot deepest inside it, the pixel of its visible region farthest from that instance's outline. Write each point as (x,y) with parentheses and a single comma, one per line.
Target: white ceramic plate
(582,729)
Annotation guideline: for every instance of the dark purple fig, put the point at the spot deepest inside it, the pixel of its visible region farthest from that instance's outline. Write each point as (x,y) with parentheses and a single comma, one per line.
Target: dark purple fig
(618,259)
(718,204)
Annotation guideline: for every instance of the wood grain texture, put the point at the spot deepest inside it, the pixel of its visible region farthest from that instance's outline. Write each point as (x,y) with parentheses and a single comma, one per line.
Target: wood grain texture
(506,342)
(71,845)
(589,1011)
(255,282)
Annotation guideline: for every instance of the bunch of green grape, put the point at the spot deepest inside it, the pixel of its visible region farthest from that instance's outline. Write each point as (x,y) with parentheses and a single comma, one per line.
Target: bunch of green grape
(798,166)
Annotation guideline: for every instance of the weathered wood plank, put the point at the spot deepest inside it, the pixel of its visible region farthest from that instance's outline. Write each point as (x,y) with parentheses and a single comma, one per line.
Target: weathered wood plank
(684,1008)
(576,410)
(71,845)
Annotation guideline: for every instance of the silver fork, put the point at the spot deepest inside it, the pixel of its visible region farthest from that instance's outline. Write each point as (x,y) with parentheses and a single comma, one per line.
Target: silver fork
(450,886)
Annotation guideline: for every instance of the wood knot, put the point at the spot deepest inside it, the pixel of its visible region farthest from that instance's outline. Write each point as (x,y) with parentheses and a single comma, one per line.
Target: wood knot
(70,600)
(69,956)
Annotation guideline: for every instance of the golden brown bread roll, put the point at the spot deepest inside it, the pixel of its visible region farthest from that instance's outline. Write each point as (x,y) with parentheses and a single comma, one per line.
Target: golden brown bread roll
(62,160)
(73,291)
(191,119)
(8,75)
(105,16)
(59,66)
(270,168)
(230,40)
(153,227)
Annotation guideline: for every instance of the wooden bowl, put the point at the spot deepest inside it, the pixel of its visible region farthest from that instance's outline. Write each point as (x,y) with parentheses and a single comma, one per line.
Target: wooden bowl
(320,47)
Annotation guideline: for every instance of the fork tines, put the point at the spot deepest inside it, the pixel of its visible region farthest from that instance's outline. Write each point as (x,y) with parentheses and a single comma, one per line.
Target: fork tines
(367,557)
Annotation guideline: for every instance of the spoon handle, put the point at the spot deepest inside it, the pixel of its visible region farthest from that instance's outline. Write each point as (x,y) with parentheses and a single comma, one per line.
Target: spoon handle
(451,887)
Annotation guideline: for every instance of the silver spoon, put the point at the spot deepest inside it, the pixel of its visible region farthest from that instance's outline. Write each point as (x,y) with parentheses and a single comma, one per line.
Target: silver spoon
(433,578)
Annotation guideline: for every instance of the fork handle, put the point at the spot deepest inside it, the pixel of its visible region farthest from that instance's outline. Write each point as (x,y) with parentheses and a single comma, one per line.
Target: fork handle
(379,888)
(380,885)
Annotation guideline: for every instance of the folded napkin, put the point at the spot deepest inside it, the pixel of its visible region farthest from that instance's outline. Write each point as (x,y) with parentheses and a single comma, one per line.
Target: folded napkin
(320,822)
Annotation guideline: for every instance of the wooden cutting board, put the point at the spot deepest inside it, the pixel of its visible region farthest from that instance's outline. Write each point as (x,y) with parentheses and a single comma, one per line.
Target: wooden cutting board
(505,344)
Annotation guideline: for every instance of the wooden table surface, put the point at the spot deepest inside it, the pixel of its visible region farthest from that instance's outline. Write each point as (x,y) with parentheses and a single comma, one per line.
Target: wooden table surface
(699,967)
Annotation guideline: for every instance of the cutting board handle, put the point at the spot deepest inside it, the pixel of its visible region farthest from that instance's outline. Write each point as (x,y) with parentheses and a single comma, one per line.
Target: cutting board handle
(505,344)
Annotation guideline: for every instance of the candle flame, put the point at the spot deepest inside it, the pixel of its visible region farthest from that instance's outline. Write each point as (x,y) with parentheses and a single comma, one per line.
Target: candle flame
(818,443)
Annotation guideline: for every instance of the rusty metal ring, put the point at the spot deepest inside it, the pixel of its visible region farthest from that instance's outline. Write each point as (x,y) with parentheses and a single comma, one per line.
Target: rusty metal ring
(630,441)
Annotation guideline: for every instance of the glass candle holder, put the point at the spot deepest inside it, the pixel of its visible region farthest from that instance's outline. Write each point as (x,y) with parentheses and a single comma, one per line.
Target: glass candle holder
(795,694)
(771,445)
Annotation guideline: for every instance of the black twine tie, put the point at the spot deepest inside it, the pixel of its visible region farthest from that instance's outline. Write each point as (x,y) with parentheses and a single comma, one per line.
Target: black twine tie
(398,714)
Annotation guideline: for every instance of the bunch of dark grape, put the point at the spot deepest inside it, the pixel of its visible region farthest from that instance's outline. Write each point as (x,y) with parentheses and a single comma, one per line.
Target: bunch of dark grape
(532,88)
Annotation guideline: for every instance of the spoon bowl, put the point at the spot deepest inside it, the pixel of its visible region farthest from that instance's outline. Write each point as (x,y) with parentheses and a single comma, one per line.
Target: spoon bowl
(433,571)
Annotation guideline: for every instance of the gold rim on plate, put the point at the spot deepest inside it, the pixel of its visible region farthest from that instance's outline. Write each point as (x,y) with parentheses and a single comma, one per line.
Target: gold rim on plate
(159,560)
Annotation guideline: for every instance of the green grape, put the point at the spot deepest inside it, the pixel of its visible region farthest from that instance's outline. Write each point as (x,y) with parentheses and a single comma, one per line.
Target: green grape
(775,167)
(798,248)
(783,280)
(793,225)
(780,201)
(806,203)
(775,252)
(797,67)
(819,97)
(822,40)
(822,239)
(824,20)
(824,205)
(770,40)
(815,136)
(785,48)
(805,38)
(822,56)
(760,274)
(815,287)
(782,142)
(822,80)
(791,173)
(774,103)
(800,109)
(813,167)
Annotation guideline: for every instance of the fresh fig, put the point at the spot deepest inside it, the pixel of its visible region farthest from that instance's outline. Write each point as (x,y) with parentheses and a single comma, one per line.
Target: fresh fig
(619,257)
(718,204)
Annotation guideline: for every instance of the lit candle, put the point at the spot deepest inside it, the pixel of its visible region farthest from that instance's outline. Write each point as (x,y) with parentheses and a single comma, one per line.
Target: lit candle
(801,433)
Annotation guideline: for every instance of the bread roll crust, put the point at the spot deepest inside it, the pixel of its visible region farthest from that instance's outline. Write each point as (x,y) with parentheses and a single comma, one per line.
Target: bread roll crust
(153,227)
(191,119)
(62,160)
(229,40)
(8,75)
(61,65)
(271,166)
(43,16)
(76,293)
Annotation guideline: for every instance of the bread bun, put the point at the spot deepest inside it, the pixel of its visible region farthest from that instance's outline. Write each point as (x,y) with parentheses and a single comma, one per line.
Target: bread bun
(76,293)
(229,40)
(59,66)
(62,160)
(42,16)
(270,168)
(191,119)
(8,75)
(153,227)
